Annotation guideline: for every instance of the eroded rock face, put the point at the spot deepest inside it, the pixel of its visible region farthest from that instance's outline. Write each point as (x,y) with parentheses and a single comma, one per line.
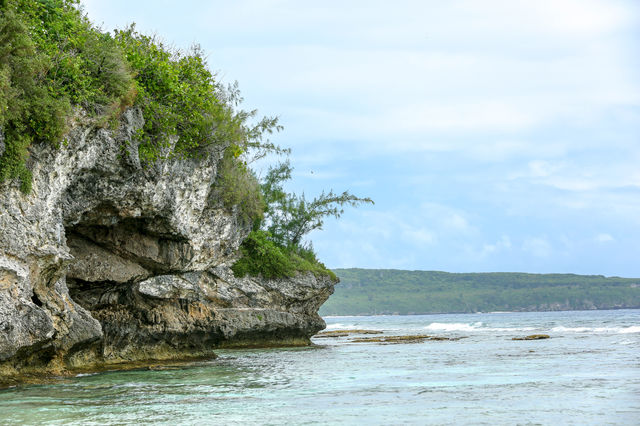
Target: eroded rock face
(106,261)
(195,312)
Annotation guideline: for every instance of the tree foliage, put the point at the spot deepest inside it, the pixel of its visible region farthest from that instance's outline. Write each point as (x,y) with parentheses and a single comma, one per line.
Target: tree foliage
(289,217)
(177,96)
(187,111)
(237,186)
(51,58)
(262,256)
(275,248)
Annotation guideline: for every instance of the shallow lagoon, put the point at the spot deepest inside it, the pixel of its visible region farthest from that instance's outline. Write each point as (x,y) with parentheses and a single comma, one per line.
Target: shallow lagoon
(588,372)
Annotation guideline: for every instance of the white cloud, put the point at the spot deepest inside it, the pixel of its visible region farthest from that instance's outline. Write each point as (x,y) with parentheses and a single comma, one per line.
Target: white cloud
(537,246)
(428,225)
(504,243)
(542,168)
(524,113)
(419,236)
(573,176)
(457,222)
(574,17)
(477,252)
(604,238)
(446,220)
(462,116)
(392,75)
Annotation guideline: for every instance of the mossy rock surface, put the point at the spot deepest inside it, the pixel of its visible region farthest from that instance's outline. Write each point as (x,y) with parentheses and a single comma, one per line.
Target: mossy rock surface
(532,337)
(345,333)
(413,338)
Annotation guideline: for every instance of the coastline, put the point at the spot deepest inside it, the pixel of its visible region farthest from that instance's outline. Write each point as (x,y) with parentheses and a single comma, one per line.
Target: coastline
(475,313)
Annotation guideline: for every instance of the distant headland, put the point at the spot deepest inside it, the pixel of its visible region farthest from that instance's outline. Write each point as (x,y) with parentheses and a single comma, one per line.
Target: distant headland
(390,291)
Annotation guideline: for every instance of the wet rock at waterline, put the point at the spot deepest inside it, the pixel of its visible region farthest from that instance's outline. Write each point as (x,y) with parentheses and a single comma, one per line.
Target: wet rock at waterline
(532,337)
(344,333)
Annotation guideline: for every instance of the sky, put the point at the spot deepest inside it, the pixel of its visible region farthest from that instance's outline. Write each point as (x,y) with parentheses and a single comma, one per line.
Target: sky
(495,135)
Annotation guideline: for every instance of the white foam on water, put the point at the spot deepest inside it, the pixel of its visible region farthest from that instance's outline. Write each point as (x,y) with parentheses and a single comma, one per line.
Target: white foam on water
(511,329)
(476,326)
(631,329)
(561,329)
(456,326)
(337,325)
(343,326)
(620,330)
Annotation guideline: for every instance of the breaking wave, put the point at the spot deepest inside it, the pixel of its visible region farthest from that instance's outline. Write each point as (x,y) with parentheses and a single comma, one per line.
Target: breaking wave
(479,326)
(619,330)
(456,326)
(476,326)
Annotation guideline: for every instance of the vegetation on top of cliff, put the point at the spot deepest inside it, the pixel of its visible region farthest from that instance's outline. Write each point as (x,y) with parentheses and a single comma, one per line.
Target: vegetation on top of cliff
(384,291)
(52,58)
(237,187)
(186,110)
(275,248)
(261,256)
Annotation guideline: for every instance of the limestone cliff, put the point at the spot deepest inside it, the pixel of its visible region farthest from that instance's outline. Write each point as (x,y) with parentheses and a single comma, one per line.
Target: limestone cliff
(106,261)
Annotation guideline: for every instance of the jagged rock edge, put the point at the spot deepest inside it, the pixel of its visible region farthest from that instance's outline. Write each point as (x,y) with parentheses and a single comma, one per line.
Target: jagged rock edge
(107,262)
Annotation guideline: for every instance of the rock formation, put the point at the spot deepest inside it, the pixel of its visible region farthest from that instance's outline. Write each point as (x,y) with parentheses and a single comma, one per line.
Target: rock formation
(107,261)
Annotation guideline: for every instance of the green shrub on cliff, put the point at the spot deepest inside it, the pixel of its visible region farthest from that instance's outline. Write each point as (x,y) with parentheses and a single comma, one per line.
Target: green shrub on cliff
(275,248)
(51,58)
(177,96)
(237,186)
(261,256)
(182,102)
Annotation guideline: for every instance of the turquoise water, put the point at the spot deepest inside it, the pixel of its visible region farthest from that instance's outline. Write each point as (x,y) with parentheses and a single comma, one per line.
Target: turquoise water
(587,373)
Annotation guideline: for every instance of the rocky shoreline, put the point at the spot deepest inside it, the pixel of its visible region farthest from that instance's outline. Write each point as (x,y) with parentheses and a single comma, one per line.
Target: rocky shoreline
(107,262)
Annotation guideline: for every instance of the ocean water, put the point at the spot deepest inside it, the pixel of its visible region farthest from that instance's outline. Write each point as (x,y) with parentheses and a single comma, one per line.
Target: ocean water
(588,372)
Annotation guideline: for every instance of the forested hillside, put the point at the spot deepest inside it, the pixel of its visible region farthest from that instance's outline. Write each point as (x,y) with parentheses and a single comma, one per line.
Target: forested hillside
(385,291)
